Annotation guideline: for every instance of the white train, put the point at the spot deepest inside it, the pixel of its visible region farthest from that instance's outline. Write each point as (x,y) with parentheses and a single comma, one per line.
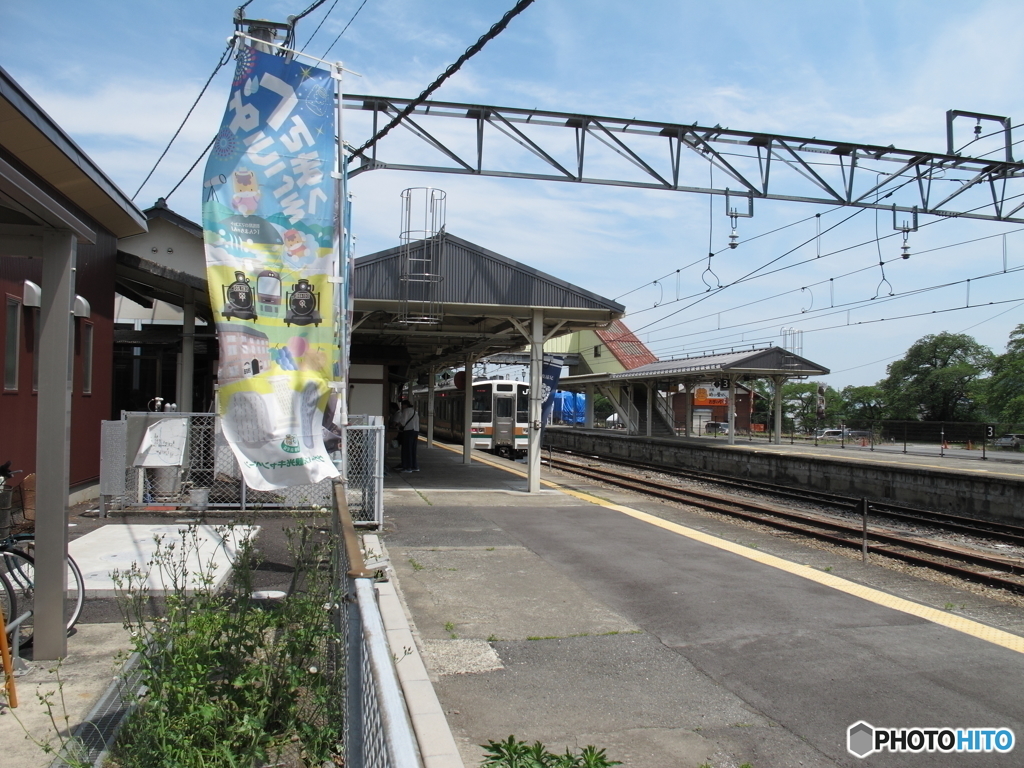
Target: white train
(500,415)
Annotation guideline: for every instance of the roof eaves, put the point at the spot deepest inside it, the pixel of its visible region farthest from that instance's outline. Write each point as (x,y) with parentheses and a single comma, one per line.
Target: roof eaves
(26,106)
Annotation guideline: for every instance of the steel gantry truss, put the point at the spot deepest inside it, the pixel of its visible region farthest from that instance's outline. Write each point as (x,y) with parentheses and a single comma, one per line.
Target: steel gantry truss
(554,146)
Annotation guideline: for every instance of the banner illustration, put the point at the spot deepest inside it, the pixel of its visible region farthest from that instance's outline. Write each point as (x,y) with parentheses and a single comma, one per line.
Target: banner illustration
(269,226)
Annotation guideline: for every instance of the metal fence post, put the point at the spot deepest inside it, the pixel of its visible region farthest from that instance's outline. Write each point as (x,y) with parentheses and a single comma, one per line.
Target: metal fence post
(864,542)
(354,751)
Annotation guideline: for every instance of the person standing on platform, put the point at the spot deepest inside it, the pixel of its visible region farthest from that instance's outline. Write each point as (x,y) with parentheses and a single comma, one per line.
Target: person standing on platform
(409,424)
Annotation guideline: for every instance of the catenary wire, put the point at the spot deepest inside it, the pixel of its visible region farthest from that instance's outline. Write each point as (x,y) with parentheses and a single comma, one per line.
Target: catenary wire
(322,20)
(493,32)
(832,279)
(345,29)
(225,57)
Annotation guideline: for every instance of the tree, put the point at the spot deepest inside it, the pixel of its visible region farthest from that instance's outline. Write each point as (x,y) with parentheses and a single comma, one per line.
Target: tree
(938,379)
(1005,394)
(800,403)
(863,405)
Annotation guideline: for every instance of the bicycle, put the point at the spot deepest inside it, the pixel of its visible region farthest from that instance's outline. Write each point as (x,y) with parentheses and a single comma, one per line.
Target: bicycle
(17,580)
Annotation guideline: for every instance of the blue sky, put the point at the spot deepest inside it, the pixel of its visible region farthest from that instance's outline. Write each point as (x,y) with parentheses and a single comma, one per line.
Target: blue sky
(119,76)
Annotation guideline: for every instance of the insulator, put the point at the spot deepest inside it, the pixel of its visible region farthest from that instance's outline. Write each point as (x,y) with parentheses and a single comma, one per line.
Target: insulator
(733,239)
(905,247)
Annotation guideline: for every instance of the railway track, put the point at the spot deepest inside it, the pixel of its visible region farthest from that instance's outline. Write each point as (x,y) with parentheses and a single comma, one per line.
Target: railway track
(975,565)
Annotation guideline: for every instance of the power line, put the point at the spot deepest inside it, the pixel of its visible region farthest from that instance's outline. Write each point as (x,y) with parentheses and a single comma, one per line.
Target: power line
(830,280)
(192,168)
(324,56)
(308,11)
(493,32)
(859,304)
(225,57)
(325,17)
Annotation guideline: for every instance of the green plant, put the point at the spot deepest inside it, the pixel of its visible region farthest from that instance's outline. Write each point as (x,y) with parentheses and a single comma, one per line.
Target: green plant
(228,680)
(416,566)
(512,753)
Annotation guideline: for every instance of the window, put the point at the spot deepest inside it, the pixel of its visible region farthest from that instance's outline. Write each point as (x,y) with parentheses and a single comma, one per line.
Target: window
(523,405)
(503,407)
(597,350)
(482,404)
(12,344)
(87,329)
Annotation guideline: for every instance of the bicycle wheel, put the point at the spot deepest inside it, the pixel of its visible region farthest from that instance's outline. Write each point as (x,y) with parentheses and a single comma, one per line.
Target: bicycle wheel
(8,603)
(74,583)
(19,571)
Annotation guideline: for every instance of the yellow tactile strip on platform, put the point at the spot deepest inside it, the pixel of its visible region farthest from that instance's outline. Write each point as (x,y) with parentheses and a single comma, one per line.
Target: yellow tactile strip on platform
(934,615)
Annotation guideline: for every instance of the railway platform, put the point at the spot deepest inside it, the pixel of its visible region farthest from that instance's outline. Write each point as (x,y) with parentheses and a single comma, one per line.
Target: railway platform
(929,477)
(586,615)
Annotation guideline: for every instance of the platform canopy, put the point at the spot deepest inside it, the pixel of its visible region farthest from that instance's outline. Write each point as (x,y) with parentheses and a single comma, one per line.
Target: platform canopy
(432,305)
(750,364)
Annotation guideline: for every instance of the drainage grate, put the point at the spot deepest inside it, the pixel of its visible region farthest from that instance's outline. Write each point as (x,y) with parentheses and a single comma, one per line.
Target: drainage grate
(94,736)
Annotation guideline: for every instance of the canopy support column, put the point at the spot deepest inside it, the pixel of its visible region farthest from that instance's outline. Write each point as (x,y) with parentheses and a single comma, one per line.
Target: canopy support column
(186,370)
(467,413)
(731,415)
(588,406)
(430,409)
(777,382)
(53,442)
(536,399)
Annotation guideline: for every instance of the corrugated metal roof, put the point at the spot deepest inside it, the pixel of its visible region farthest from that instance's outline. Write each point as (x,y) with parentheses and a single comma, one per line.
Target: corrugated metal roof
(471,274)
(626,347)
(761,362)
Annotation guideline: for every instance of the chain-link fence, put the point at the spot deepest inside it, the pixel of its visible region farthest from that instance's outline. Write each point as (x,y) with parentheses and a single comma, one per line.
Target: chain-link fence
(377,730)
(965,440)
(201,471)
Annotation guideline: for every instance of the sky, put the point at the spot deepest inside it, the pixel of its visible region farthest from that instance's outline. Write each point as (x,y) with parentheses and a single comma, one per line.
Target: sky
(119,78)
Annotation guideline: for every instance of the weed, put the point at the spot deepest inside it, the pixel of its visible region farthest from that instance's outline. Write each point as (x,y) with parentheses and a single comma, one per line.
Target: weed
(950,606)
(449,626)
(512,753)
(490,549)
(415,566)
(493,638)
(827,569)
(229,681)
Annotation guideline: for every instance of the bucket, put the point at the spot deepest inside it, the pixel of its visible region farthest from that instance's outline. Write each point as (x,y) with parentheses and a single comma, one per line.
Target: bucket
(199,498)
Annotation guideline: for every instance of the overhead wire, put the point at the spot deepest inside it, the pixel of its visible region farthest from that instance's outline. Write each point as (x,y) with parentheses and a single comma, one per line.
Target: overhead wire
(493,32)
(757,273)
(224,58)
(841,308)
(825,280)
(343,31)
(322,20)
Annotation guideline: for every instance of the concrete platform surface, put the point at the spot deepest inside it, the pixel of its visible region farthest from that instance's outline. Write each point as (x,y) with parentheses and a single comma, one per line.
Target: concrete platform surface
(675,640)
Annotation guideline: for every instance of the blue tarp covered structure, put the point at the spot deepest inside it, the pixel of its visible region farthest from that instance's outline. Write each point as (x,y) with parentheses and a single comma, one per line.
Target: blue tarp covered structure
(569,408)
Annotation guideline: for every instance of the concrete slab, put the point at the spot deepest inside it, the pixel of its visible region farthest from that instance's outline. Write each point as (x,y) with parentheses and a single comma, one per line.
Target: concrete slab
(72,686)
(198,549)
(491,593)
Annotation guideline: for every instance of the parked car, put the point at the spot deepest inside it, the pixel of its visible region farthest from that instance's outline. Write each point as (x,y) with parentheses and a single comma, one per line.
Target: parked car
(716,428)
(1009,441)
(829,434)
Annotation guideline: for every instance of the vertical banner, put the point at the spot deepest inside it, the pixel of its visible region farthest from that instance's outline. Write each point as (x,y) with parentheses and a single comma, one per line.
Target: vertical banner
(269,224)
(550,373)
